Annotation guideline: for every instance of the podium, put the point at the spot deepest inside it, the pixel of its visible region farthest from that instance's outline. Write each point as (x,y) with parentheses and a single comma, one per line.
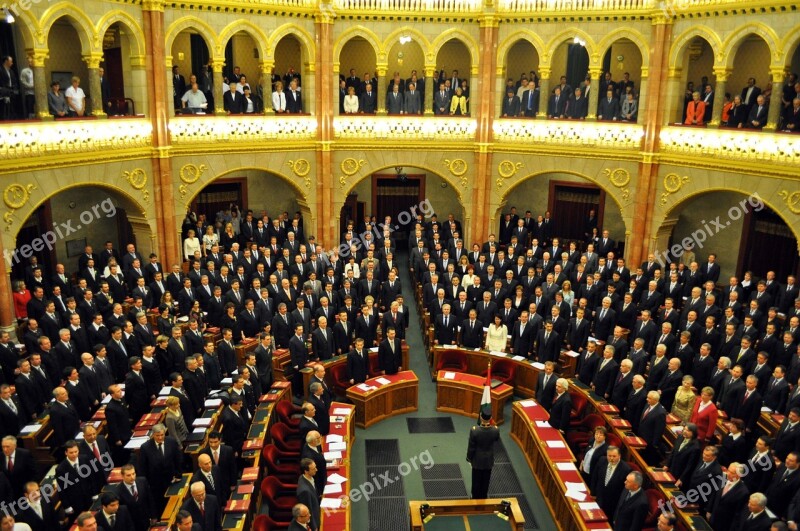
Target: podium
(384,396)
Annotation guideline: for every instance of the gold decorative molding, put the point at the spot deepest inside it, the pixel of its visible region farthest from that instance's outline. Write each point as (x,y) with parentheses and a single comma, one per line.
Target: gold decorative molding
(672,183)
(349,167)
(189,174)
(620,178)
(138,180)
(440,129)
(15,196)
(792,200)
(458,167)
(508,169)
(301,168)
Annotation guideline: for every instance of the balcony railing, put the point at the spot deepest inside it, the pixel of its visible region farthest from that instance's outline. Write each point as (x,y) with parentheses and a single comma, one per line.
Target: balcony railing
(733,144)
(571,6)
(404,128)
(409,6)
(66,137)
(612,135)
(189,130)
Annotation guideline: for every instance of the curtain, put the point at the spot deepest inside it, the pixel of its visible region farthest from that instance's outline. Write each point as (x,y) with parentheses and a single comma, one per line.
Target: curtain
(199,55)
(577,65)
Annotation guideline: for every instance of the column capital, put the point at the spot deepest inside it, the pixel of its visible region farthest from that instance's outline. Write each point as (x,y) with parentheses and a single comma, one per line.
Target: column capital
(645,73)
(153,5)
(430,71)
(266,66)
(93,60)
(326,14)
(489,21)
(217,64)
(38,56)
(381,68)
(544,72)
(777,73)
(595,73)
(722,73)
(138,62)
(674,72)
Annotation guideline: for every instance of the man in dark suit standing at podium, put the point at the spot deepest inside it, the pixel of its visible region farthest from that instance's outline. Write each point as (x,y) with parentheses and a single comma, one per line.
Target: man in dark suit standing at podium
(389,353)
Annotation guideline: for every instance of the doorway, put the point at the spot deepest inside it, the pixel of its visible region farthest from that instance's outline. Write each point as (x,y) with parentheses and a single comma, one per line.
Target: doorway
(767,245)
(394,194)
(220,195)
(569,206)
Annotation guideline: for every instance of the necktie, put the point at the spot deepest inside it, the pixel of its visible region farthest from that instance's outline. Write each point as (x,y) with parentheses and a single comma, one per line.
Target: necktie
(216,457)
(647,412)
(602,314)
(203,509)
(11,405)
(609,473)
(134,492)
(112,520)
(96,451)
(10,465)
(211,480)
(161,449)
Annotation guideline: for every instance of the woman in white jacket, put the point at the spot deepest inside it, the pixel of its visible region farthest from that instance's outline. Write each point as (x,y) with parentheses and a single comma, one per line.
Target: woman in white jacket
(351,101)
(497,335)
(279,98)
(190,245)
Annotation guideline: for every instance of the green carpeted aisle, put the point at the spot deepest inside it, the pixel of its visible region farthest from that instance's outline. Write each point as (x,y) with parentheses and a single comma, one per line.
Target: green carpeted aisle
(426,448)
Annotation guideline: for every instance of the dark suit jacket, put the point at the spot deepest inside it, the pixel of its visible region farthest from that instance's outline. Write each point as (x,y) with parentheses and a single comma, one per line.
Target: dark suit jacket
(724,509)
(123,520)
(631,512)
(212,521)
(608,495)
(358,366)
(762,522)
(48,521)
(560,411)
(157,468)
(651,427)
(389,361)
(307,495)
(141,509)
(682,464)
(321,477)
(546,350)
(79,490)
(234,429)
(232,102)
(24,469)
(65,422)
(221,490)
(545,395)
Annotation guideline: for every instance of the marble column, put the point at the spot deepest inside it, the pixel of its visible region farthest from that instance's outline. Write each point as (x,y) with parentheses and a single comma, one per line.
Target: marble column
(325,222)
(93,64)
(217,65)
(266,86)
(381,88)
(774,113)
(721,74)
(544,91)
(430,89)
(41,85)
(594,74)
(7,323)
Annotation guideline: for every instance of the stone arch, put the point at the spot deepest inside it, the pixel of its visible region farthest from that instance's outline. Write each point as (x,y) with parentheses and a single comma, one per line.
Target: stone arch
(136,33)
(734,40)
(780,210)
(680,43)
(247,27)
(416,35)
(522,35)
(202,28)
(632,35)
(306,40)
(82,24)
(462,36)
(568,35)
(789,44)
(29,29)
(366,34)
(205,181)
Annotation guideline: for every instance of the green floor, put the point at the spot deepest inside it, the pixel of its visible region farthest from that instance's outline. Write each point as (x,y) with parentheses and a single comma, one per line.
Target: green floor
(442,448)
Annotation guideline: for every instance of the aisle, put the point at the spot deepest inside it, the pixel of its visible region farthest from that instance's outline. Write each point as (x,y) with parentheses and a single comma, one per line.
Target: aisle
(447,451)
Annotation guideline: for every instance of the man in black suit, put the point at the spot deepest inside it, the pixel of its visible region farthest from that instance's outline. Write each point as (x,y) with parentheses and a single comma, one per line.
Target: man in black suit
(557,104)
(623,382)
(632,506)
(16,464)
(706,470)
(63,418)
(204,508)
(12,415)
(607,479)
(134,493)
(112,515)
(668,386)
(546,386)
(755,516)
(233,425)
(322,342)
(548,343)
(603,380)
(312,449)
(651,427)
(587,363)
(787,439)
(636,402)
(79,480)
(784,485)
(578,332)
(185,522)
(390,356)
(299,357)
(758,114)
(233,100)
(471,331)
(685,454)
(223,456)
(777,391)
(307,491)
(562,406)
(94,446)
(211,476)
(522,337)
(40,512)
(294,99)
(358,363)
(321,407)
(160,461)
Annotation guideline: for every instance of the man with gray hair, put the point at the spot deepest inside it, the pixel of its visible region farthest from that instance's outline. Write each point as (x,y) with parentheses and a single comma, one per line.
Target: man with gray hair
(728,501)
(160,461)
(312,449)
(651,427)
(755,518)
(301,518)
(562,406)
(321,407)
(204,508)
(632,507)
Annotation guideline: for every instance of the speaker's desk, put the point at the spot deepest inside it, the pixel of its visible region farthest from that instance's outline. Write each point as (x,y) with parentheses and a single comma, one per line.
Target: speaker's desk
(384,396)
(458,392)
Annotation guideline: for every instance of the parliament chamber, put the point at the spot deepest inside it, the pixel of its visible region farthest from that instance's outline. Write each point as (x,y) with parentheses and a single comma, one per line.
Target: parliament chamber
(265,261)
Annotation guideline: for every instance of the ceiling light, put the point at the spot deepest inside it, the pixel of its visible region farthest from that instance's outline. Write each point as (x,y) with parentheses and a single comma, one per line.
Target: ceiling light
(9,17)
(405,39)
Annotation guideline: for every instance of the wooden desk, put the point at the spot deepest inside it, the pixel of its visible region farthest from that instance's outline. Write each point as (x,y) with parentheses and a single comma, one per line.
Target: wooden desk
(397,397)
(526,375)
(462,394)
(342,360)
(339,519)
(454,508)
(552,467)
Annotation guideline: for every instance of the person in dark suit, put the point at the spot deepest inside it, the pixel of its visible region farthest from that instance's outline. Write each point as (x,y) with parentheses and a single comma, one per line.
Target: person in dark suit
(685,454)
(548,343)
(134,493)
(668,386)
(623,383)
(632,506)
(636,402)
(651,426)
(12,415)
(233,100)
(480,453)
(299,357)
(211,476)
(312,449)
(160,461)
(562,406)
(40,512)
(307,491)
(185,522)
(472,331)
(322,342)
(784,484)
(321,407)
(64,418)
(546,386)
(389,353)
(204,508)
(758,114)
(445,327)
(603,380)
(223,456)
(777,391)
(588,363)
(234,426)
(754,517)
(728,501)
(511,105)
(522,337)
(358,363)
(23,467)
(707,468)
(112,515)
(607,479)
(78,485)
(530,101)
(787,439)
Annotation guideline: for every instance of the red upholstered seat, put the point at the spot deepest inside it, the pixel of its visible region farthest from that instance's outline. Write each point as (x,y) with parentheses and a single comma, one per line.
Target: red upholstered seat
(451,360)
(653,511)
(284,438)
(264,523)
(581,434)
(340,381)
(285,409)
(279,496)
(503,370)
(578,408)
(286,467)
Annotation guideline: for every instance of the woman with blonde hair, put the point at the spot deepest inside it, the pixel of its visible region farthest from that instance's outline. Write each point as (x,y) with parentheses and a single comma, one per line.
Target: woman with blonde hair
(228,238)
(567,293)
(173,418)
(21,298)
(210,239)
(683,405)
(190,245)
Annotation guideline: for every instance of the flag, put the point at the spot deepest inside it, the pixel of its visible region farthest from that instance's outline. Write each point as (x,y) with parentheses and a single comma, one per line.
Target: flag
(486,399)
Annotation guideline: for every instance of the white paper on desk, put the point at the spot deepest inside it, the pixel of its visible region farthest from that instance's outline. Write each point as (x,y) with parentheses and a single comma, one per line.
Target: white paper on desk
(212,402)
(556,444)
(165,390)
(574,485)
(449,346)
(333,438)
(477,349)
(571,353)
(382,380)
(567,466)
(576,495)
(136,442)
(364,387)
(30,428)
(330,456)
(342,446)
(543,424)
(341,411)
(537,365)
(205,422)
(677,430)
(527,403)
(199,430)
(588,506)
(226,382)
(330,503)
(497,353)
(336,478)
(106,400)
(518,358)
(374,349)
(334,488)
(449,376)
(765,409)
